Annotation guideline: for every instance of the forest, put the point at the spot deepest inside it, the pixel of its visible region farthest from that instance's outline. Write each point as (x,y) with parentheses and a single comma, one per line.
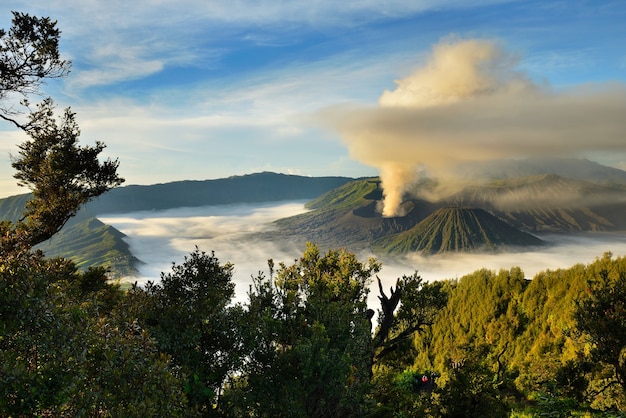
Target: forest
(305,342)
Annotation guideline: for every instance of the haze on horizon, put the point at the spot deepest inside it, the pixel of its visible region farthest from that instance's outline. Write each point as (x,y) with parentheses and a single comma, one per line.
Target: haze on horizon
(213,89)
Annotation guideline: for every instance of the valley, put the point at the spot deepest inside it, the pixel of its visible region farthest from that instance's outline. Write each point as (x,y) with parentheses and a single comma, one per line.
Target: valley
(525,215)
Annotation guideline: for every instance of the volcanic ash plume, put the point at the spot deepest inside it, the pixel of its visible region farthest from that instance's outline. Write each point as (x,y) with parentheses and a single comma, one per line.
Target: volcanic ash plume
(470,103)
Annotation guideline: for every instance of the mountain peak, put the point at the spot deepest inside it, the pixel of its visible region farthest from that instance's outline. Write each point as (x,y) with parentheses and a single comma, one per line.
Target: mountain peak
(457,229)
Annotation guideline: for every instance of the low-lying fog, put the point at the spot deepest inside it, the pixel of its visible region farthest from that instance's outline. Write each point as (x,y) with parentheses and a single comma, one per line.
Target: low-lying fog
(162,237)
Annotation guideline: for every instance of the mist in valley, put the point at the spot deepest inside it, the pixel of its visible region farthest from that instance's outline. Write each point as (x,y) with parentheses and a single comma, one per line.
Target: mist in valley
(159,238)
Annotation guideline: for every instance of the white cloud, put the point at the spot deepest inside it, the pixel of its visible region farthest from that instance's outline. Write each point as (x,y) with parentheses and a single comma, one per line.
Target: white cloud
(113,63)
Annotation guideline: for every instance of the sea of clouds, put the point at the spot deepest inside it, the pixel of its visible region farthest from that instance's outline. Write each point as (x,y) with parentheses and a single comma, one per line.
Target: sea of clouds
(159,238)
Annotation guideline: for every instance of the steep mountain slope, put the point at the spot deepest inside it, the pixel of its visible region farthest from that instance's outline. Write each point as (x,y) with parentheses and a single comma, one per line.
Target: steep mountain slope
(11,208)
(456,229)
(91,243)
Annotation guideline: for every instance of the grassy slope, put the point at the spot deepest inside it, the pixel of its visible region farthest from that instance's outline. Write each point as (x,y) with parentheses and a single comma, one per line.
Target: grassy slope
(11,208)
(91,243)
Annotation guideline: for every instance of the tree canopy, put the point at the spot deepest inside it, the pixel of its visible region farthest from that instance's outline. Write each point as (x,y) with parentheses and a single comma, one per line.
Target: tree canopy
(61,174)
(29,54)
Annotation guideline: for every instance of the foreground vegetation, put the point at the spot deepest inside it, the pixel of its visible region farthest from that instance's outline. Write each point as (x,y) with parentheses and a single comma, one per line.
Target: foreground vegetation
(303,343)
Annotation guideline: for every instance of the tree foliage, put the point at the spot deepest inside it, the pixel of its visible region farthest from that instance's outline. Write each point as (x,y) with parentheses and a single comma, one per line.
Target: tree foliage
(63,352)
(188,313)
(29,54)
(601,315)
(308,338)
(61,174)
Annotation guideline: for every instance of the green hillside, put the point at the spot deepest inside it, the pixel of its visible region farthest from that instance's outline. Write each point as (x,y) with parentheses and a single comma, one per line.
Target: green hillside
(349,195)
(525,332)
(91,243)
(11,208)
(455,229)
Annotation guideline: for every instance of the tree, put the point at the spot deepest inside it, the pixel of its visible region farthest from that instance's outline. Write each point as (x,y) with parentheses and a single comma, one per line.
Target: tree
(65,351)
(29,54)
(471,390)
(601,315)
(308,339)
(398,322)
(188,313)
(61,174)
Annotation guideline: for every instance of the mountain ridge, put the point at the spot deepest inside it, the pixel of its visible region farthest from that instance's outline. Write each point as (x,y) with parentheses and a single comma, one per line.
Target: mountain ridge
(538,203)
(249,188)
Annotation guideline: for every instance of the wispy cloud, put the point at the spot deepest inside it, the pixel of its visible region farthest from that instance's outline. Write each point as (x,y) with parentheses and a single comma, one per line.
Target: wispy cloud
(130,69)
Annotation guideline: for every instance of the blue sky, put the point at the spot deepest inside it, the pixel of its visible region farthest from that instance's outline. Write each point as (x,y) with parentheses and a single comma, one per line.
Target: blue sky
(201,89)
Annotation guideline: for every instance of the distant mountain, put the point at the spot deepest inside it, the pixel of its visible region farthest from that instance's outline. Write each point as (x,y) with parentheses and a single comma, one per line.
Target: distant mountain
(550,203)
(454,229)
(250,188)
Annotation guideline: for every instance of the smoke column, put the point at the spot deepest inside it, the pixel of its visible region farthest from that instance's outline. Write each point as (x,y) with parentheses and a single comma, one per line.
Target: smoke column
(469,102)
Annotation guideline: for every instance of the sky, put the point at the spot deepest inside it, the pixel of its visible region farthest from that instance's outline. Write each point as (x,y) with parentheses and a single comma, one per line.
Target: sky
(202,89)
